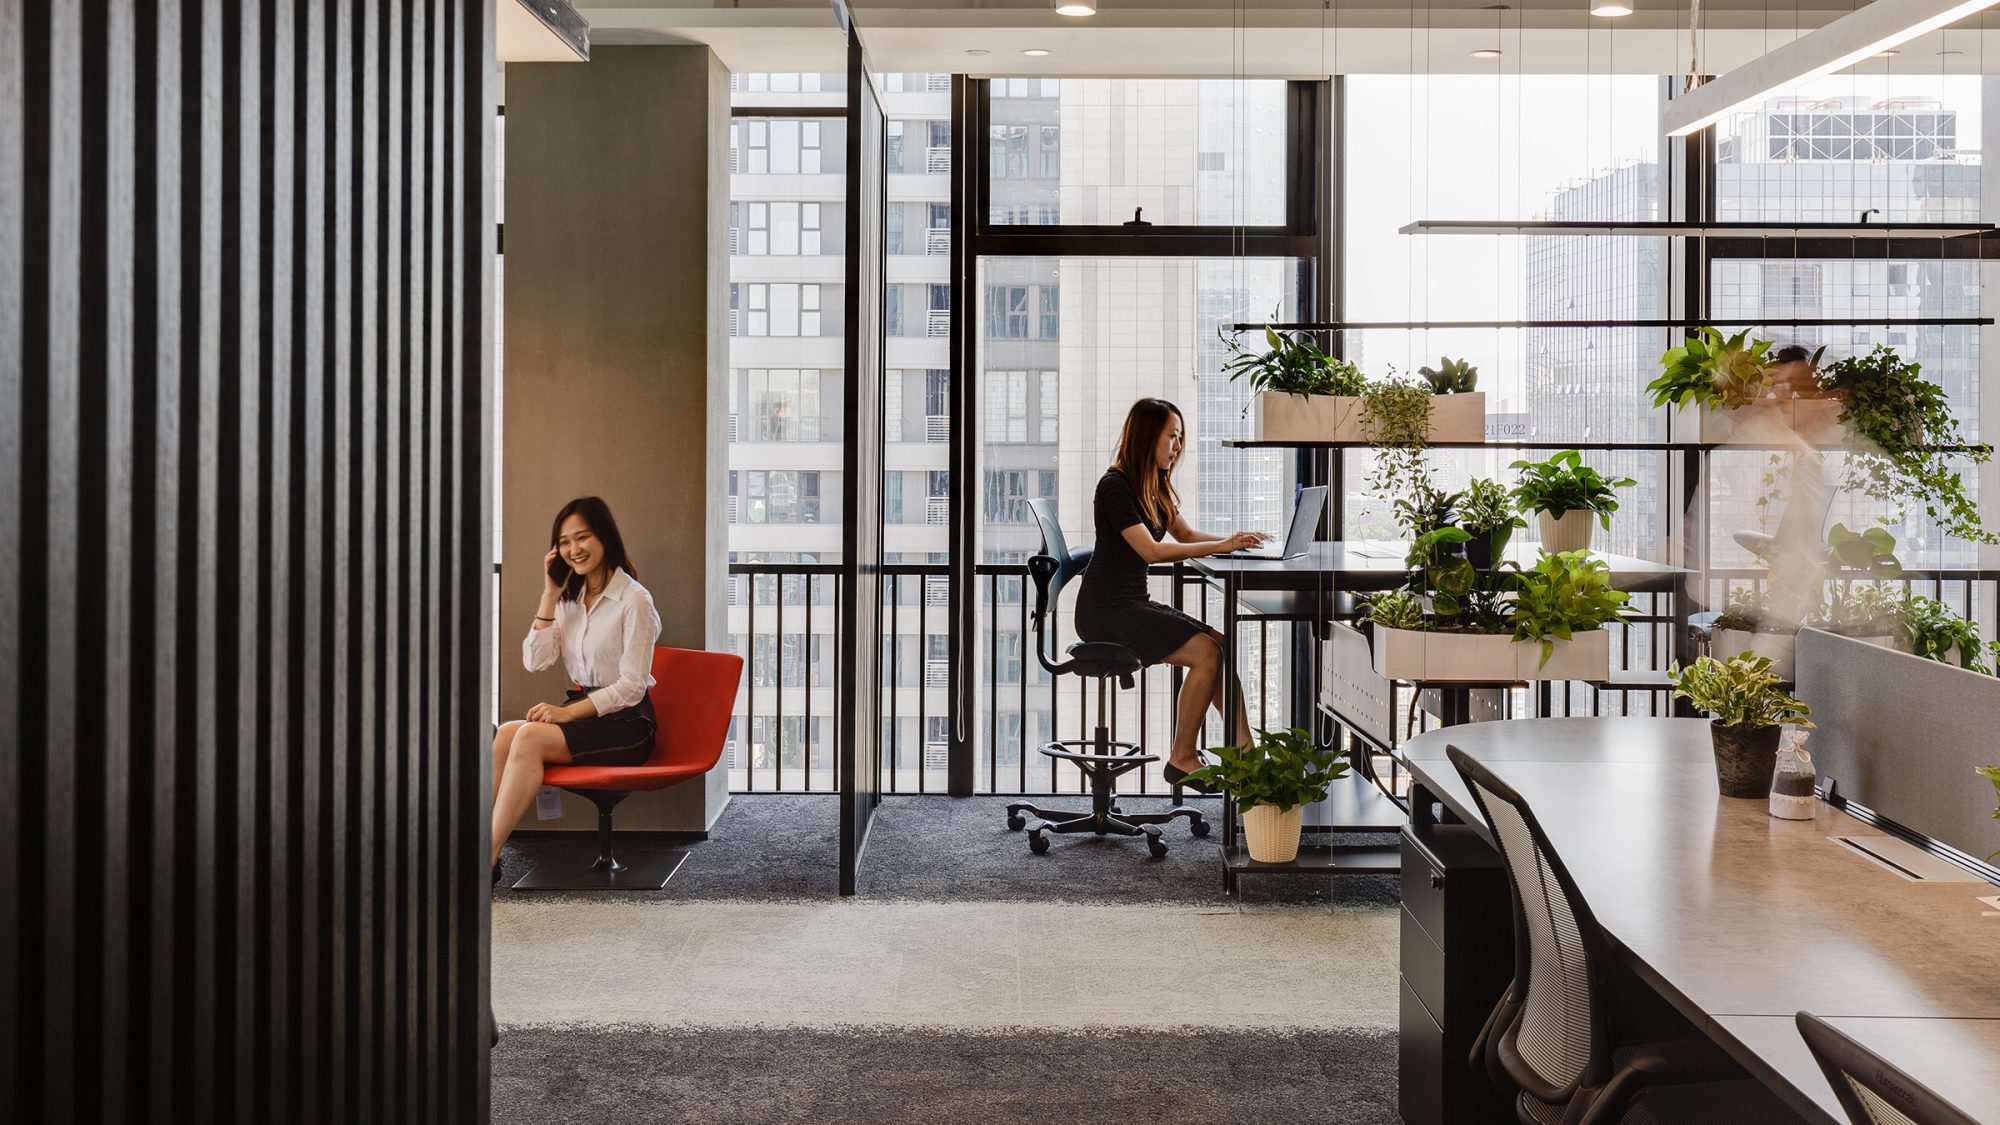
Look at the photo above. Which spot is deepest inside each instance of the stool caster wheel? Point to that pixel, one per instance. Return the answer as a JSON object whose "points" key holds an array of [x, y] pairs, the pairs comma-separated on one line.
{"points": [[1198, 827], [1038, 844], [1016, 821], [1157, 846]]}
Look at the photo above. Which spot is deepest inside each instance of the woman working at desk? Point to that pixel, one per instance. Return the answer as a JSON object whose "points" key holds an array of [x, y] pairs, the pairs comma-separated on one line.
{"points": [[1136, 508]]}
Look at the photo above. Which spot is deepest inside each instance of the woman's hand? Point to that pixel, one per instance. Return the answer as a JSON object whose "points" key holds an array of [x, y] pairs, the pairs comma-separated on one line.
{"points": [[1241, 541], [549, 713], [551, 589]]}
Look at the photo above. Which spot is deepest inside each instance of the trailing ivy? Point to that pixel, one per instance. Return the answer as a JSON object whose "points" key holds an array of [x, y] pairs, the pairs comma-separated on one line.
{"points": [[1906, 419]]}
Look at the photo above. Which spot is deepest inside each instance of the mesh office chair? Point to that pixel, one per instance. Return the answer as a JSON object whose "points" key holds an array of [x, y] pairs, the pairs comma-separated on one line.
{"points": [[1553, 1034], [1101, 759], [1870, 1090]]}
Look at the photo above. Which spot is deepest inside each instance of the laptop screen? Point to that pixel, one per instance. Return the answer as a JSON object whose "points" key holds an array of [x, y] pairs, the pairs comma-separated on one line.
{"points": [[1305, 520]]}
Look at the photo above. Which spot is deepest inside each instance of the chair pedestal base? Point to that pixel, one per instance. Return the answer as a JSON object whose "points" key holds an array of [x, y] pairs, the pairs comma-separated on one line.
{"points": [[646, 872]]}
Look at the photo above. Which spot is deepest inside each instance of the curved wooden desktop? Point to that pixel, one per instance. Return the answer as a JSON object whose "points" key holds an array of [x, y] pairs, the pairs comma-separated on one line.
{"points": [[1741, 920]]}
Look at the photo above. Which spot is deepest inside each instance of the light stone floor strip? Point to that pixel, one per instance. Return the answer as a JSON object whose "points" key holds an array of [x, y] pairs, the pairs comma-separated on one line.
{"points": [[963, 966]]}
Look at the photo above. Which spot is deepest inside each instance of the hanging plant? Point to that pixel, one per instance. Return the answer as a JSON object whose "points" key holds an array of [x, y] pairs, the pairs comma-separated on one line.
{"points": [[1906, 419], [1396, 416], [1712, 369]]}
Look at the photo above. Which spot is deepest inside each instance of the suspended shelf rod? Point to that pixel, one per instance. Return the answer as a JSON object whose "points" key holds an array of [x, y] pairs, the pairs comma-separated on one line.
{"points": [[1693, 229], [1789, 322]]}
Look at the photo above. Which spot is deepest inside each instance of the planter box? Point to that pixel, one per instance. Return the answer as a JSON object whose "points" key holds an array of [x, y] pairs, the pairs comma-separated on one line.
{"points": [[1282, 416], [1817, 420], [1781, 649], [1585, 656], [1406, 654]]}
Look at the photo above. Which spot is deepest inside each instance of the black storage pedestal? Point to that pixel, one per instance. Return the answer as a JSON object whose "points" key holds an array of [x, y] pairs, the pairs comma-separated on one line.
{"points": [[1457, 959]]}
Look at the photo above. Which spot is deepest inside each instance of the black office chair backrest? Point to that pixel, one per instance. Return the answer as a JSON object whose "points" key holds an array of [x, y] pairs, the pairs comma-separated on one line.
{"points": [[1051, 571], [1556, 1042], [1871, 1090]]}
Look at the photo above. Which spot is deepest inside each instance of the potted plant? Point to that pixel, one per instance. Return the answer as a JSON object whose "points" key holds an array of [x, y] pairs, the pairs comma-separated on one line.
{"points": [[1565, 493], [1869, 612], [1904, 419], [1744, 392], [1931, 630], [1749, 625], [1750, 706], [1272, 782], [1458, 409], [1303, 394], [1486, 512], [1406, 643], [1561, 606]]}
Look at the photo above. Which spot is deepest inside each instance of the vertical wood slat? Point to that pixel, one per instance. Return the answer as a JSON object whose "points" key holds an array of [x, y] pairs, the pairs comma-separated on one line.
{"points": [[242, 459]]}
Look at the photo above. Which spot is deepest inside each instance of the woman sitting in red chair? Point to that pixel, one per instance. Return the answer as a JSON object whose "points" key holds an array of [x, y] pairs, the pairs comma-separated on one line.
{"points": [[598, 618]]}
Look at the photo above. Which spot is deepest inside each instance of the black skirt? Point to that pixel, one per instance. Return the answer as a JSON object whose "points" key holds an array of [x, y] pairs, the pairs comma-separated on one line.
{"points": [[622, 738], [1151, 630]]}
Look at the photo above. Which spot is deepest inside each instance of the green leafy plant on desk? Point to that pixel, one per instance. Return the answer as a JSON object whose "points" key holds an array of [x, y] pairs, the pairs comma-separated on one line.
{"points": [[1992, 774], [1565, 493], [1931, 630], [1272, 782], [1750, 707]]}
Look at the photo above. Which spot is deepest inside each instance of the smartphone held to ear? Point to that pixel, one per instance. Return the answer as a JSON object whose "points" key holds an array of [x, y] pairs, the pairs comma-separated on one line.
{"points": [[559, 571]]}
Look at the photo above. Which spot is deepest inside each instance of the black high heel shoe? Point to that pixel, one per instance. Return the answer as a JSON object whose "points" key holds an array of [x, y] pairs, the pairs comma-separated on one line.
{"points": [[1178, 776]]}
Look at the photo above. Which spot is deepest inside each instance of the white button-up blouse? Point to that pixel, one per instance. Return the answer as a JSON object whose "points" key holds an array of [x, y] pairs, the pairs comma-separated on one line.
{"points": [[608, 647]]}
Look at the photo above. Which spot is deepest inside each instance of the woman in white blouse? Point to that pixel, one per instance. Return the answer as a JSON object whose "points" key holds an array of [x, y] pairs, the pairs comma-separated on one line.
{"points": [[602, 623]]}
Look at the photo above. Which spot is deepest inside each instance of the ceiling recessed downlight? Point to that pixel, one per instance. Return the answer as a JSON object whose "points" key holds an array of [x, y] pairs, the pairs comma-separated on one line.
{"points": [[1611, 10], [1036, 52], [1948, 54], [1076, 7], [976, 51], [1486, 53]]}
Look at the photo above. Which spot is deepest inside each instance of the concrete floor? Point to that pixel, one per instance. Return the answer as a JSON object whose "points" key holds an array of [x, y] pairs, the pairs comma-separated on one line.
{"points": [[970, 965]]}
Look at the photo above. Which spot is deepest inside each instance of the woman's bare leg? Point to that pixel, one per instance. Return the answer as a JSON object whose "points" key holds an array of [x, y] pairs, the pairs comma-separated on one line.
{"points": [[535, 746], [1201, 688], [503, 744]]}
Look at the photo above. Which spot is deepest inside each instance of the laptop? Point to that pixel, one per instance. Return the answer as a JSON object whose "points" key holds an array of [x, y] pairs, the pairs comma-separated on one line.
{"points": [[1299, 540]]}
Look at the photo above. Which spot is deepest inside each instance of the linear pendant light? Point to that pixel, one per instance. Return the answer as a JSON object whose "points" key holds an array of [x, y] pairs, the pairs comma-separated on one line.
{"points": [[1863, 33]]}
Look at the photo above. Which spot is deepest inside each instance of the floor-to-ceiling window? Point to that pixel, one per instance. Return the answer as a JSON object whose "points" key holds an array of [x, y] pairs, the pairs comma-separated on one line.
{"points": [[1066, 341]]}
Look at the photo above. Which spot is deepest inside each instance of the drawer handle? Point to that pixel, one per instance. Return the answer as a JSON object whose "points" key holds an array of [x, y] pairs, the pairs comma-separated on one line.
{"points": [[1437, 881]]}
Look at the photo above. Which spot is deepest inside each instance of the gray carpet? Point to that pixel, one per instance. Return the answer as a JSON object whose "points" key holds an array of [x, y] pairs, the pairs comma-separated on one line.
{"points": [[941, 849], [722, 1076]]}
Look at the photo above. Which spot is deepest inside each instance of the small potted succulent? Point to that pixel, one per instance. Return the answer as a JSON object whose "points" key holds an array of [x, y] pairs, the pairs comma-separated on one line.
{"points": [[1750, 707], [1303, 394], [1272, 782], [1459, 410], [1566, 495]]}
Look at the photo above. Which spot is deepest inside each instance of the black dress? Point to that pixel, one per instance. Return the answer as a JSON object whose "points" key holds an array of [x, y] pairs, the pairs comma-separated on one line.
{"points": [[1113, 604]]}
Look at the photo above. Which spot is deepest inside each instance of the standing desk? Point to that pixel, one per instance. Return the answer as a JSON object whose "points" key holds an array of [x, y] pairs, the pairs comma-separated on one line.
{"points": [[1740, 920], [1306, 589]]}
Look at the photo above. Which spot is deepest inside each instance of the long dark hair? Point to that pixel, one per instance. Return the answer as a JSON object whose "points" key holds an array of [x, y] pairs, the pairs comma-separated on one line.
{"points": [[1138, 458], [596, 516]]}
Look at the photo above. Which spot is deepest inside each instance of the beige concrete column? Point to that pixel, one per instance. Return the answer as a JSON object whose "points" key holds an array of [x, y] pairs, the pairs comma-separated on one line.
{"points": [[615, 317]]}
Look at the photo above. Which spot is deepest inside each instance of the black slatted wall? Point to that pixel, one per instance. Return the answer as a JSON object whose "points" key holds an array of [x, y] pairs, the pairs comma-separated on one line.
{"points": [[245, 254]]}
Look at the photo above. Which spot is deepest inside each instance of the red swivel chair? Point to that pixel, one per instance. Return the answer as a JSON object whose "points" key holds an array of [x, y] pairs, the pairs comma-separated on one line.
{"points": [[693, 693]]}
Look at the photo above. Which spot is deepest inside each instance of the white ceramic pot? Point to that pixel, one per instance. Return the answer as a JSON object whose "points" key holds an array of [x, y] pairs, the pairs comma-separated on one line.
{"points": [[1781, 649], [1567, 532], [1273, 836]]}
